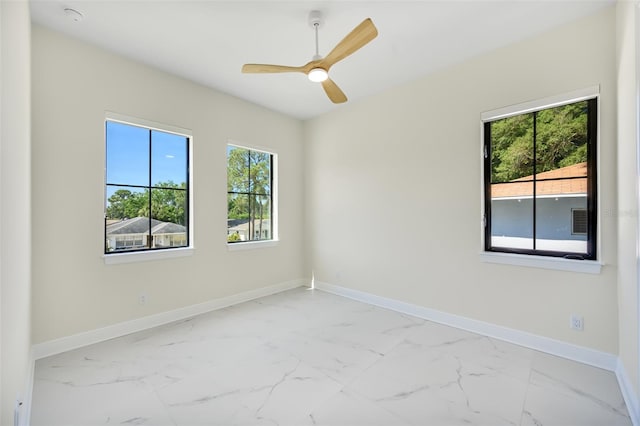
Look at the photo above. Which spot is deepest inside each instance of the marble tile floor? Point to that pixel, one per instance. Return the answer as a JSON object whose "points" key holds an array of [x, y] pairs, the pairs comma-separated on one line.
{"points": [[305, 357]]}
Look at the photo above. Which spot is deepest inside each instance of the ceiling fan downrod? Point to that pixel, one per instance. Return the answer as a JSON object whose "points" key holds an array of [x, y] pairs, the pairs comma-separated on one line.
{"points": [[317, 74], [317, 55]]}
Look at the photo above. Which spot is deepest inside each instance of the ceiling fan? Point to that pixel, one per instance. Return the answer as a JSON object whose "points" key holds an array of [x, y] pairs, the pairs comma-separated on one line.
{"points": [[318, 68]]}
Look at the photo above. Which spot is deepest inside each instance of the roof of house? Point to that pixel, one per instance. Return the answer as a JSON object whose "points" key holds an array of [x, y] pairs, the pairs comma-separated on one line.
{"points": [[243, 224], [557, 183], [140, 225]]}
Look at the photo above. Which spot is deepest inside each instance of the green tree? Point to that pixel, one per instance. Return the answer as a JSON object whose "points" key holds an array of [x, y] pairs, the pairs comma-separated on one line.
{"points": [[168, 203], [562, 136], [561, 140], [238, 206], [125, 204]]}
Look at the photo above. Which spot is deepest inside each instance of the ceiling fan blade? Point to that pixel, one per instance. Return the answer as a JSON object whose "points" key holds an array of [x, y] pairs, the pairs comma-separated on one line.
{"points": [[336, 95], [361, 35], [266, 68]]}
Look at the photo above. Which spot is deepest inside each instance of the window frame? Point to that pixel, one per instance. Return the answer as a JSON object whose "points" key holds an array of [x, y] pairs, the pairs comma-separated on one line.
{"points": [[273, 241], [539, 258], [159, 252]]}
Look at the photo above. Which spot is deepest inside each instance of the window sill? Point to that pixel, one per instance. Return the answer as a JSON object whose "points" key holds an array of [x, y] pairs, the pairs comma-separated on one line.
{"points": [[543, 262], [250, 245], [143, 256]]}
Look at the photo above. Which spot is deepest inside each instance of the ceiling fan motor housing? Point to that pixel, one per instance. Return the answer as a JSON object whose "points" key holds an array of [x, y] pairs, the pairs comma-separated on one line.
{"points": [[315, 18]]}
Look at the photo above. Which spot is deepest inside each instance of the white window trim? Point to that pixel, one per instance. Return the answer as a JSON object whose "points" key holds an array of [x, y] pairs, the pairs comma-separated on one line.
{"points": [[543, 262], [142, 256], [251, 245], [257, 244]]}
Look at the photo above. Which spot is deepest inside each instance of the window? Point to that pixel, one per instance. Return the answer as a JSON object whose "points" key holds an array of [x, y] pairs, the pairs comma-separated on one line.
{"points": [[540, 181], [249, 195], [147, 188]]}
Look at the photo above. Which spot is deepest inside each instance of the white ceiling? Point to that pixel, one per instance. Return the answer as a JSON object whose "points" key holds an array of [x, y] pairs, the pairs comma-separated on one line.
{"points": [[208, 41]]}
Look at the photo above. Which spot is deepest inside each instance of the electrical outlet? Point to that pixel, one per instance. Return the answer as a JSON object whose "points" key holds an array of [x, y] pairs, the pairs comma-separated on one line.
{"points": [[143, 298], [576, 322]]}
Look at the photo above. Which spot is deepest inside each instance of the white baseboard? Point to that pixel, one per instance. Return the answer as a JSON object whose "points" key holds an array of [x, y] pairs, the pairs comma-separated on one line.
{"points": [[64, 344], [629, 394], [582, 354]]}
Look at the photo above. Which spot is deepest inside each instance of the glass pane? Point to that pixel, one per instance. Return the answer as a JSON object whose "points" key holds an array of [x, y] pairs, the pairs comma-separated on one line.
{"points": [[169, 217], [127, 222], [127, 154], [261, 215], [554, 224], [561, 186], [168, 159], [238, 218], [237, 169], [512, 215], [512, 149], [511, 182], [260, 172], [561, 141], [125, 202]]}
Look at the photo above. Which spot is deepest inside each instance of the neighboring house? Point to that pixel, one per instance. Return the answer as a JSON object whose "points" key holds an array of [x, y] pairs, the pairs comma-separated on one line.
{"points": [[561, 207], [240, 227], [130, 234]]}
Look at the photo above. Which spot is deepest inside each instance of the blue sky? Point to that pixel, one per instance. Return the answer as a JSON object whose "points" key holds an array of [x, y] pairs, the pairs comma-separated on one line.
{"points": [[128, 155]]}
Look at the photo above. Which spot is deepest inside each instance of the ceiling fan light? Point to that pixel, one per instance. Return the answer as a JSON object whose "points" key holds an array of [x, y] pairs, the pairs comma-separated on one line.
{"points": [[318, 75]]}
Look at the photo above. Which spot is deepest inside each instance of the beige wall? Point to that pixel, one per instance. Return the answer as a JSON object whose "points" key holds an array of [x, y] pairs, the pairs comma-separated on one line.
{"points": [[627, 211], [74, 291], [15, 245], [393, 189]]}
